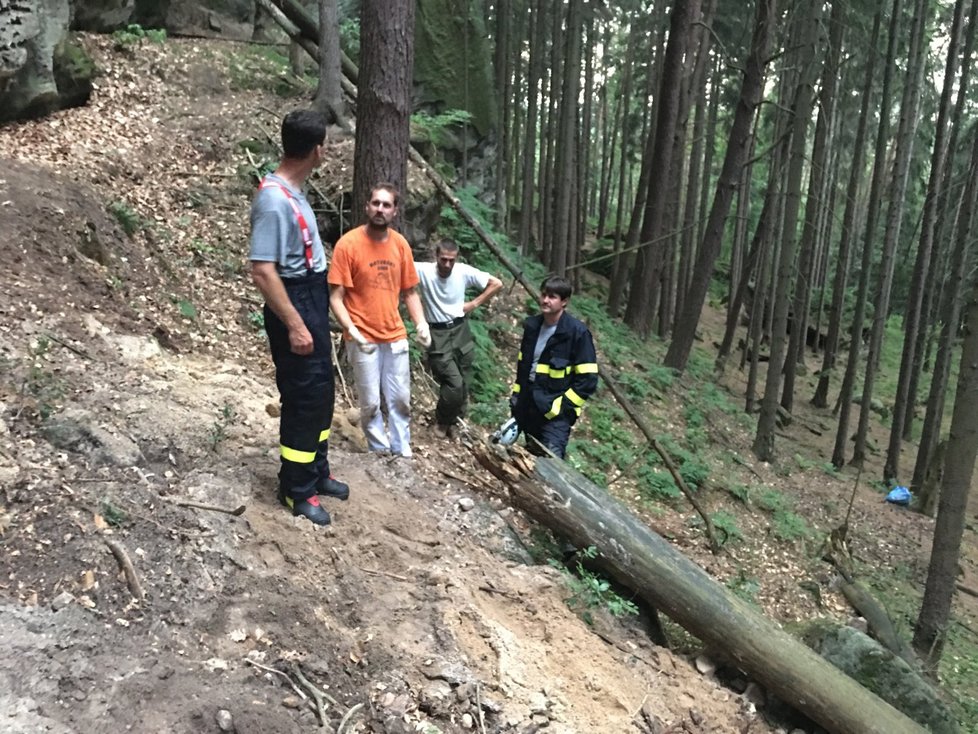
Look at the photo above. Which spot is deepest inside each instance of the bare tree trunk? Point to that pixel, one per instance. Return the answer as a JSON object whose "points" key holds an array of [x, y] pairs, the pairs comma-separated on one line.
{"points": [[502, 61], [904, 402], [894, 216], [763, 445], [962, 448], [738, 248], [844, 404], [329, 92], [548, 184], [383, 96], [620, 271], [813, 206], [843, 257], [942, 363], [533, 83], [566, 152], [738, 144], [685, 238], [587, 144], [641, 299], [610, 134]]}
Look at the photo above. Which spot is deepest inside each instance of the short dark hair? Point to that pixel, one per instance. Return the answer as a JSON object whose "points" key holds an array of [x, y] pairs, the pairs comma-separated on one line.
{"points": [[446, 246], [302, 130], [389, 188], [557, 285]]}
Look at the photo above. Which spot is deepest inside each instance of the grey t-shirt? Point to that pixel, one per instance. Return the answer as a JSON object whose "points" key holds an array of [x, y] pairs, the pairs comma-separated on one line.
{"points": [[545, 333], [275, 235]]}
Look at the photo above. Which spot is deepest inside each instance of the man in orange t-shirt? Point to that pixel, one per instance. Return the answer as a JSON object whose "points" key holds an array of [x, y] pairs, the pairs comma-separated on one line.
{"points": [[372, 268]]}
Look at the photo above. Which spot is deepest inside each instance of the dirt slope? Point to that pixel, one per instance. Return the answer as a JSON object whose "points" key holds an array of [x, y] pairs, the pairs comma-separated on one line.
{"points": [[132, 379]]}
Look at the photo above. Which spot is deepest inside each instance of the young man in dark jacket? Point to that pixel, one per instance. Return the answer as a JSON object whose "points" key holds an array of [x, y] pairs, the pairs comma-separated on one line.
{"points": [[556, 370]]}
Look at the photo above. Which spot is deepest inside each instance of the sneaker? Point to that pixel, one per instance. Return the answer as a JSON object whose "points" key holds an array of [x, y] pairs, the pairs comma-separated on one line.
{"points": [[310, 509], [332, 487]]}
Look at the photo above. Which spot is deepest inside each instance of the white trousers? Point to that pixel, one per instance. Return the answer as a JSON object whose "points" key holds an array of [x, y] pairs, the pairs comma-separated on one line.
{"points": [[387, 373]]}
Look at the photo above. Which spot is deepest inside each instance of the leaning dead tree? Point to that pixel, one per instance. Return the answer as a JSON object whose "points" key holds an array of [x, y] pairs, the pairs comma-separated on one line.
{"points": [[554, 494]]}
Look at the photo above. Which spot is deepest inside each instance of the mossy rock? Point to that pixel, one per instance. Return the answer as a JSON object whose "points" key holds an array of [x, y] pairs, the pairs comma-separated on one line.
{"points": [[73, 73], [453, 62], [888, 676]]}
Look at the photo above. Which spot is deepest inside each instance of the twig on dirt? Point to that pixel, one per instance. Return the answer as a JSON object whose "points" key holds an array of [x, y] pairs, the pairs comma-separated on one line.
{"points": [[122, 558], [276, 671], [844, 528], [239, 510], [256, 169], [743, 462], [967, 590], [478, 704], [66, 345], [347, 717], [627, 470], [145, 518], [640, 708], [374, 572], [472, 481], [319, 696], [339, 372], [500, 592], [206, 174]]}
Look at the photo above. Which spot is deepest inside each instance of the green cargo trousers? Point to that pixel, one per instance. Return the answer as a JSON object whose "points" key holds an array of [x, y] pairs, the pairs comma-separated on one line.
{"points": [[450, 360]]}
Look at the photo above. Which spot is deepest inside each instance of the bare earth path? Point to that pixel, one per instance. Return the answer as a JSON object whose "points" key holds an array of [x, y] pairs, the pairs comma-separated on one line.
{"points": [[132, 378]]}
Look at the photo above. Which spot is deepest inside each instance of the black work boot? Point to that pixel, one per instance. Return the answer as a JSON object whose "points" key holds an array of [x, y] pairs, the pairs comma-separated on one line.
{"points": [[308, 508], [332, 487]]}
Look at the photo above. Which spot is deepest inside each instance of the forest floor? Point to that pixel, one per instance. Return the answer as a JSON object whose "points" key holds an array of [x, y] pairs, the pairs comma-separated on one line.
{"points": [[134, 378]]}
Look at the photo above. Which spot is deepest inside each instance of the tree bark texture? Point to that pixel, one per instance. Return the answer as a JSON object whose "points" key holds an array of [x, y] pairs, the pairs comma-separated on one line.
{"points": [[566, 152], [383, 97], [533, 82], [814, 201], [906, 131], [904, 402], [801, 113], [555, 495], [869, 244], [730, 175], [329, 92], [843, 257], [962, 448], [641, 300]]}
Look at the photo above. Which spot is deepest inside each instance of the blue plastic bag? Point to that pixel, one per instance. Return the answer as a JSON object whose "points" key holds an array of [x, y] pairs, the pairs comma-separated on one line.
{"points": [[899, 496]]}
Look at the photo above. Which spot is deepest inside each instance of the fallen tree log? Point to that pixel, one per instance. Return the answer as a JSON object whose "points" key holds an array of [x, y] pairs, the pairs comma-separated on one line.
{"points": [[307, 27], [558, 497]]}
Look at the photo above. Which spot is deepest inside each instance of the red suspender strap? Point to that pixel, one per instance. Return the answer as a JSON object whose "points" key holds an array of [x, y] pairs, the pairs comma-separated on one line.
{"points": [[303, 227]]}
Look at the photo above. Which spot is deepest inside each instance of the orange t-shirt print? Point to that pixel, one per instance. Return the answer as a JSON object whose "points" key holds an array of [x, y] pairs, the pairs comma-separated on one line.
{"points": [[373, 275]]}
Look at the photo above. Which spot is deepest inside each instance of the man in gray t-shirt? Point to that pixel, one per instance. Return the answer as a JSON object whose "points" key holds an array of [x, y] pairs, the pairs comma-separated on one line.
{"points": [[288, 265], [443, 284]]}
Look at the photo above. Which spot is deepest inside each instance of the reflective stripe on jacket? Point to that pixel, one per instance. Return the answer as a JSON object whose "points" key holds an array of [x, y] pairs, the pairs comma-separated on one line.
{"points": [[567, 373]]}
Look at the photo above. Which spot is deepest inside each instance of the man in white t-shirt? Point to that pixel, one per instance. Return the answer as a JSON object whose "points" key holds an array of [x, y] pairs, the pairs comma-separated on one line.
{"points": [[443, 285]]}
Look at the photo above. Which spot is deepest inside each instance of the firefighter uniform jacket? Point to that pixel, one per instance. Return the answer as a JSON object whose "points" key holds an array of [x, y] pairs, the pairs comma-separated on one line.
{"points": [[566, 375]]}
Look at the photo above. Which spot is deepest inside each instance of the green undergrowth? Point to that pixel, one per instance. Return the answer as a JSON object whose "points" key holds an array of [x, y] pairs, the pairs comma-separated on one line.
{"points": [[605, 445], [899, 588], [692, 419]]}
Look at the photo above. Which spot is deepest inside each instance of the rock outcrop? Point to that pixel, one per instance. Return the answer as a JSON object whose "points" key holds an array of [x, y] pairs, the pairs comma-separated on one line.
{"points": [[41, 70]]}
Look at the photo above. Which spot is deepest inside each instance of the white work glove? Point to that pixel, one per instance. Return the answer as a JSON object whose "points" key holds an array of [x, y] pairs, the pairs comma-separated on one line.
{"points": [[423, 334], [362, 344]]}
